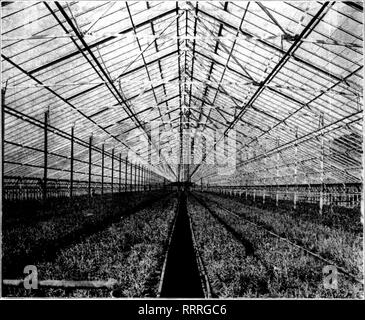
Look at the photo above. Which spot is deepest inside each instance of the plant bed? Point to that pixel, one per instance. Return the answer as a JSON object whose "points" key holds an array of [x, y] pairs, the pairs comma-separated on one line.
{"points": [[342, 247], [338, 217], [291, 273], [231, 272], [130, 251], [32, 211], [28, 243]]}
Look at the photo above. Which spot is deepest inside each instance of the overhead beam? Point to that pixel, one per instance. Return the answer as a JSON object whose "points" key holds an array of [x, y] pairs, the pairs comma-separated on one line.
{"points": [[272, 18], [354, 5], [62, 99], [103, 41], [271, 46], [302, 105], [222, 110], [142, 55], [157, 50], [288, 54], [115, 92], [133, 128], [229, 52], [311, 135]]}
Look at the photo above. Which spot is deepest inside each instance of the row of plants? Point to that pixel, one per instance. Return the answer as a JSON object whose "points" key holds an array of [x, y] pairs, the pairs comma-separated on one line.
{"points": [[231, 272], [338, 217], [274, 269], [32, 211], [342, 247], [130, 252], [29, 242]]}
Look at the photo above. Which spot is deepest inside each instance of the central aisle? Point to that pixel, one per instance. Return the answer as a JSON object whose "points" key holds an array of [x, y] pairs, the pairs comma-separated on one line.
{"points": [[182, 278]]}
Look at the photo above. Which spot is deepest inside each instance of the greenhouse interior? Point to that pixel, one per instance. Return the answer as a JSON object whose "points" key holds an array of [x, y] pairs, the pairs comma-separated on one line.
{"points": [[189, 149]]}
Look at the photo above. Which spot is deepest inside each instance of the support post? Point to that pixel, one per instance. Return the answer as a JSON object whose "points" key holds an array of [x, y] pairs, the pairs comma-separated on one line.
{"points": [[321, 193], [296, 171], [362, 207], [126, 175], [139, 178], [135, 177], [112, 178], [142, 186], [3, 92], [72, 163], [90, 164], [102, 171], [144, 178], [131, 177], [264, 183], [120, 174], [45, 163], [277, 175]]}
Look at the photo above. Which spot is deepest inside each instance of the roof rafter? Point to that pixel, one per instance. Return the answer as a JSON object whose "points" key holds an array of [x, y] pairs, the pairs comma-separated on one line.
{"points": [[289, 53], [109, 81], [103, 41]]}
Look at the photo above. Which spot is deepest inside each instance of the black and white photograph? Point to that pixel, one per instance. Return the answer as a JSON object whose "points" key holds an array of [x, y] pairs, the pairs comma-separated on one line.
{"points": [[177, 150]]}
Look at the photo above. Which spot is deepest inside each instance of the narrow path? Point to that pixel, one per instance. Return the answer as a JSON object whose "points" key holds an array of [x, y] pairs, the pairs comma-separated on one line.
{"points": [[182, 278]]}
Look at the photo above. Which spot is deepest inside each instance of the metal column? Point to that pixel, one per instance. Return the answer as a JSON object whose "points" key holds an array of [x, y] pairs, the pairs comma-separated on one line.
{"points": [[126, 175], [3, 92], [72, 162], [90, 164], [112, 178], [321, 195], [149, 179], [45, 163], [143, 178], [131, 177], [120, 173], [296, 171], [277, 174], [102, 171], [264, 183], [138, 177]]}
